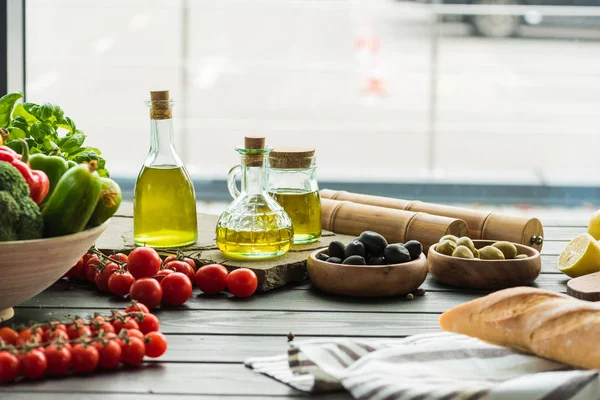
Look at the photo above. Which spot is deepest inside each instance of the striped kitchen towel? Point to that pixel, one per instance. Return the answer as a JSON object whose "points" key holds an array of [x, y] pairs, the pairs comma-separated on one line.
{"points": [[440, 366]]}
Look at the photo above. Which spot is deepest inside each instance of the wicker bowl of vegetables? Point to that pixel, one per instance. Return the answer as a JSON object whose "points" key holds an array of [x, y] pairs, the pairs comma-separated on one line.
{"points": [[27, 267]]}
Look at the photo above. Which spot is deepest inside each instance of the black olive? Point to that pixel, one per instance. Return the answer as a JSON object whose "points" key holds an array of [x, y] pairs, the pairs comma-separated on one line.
{"points": [[377, 261], [396, 254], [334, 260], [322, 256], [414, 248], [355, 260], [354, 248], [374, 243], [336, 249]]}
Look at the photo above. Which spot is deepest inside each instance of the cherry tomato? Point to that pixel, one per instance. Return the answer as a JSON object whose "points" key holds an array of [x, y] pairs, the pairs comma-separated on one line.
{"points": [[84, 359], [53, 334], [143, 262], [176, 288], [86, 257], [9, 366], [104, 326], [149, 324], [55, 326], [34, 364], [30, 335], [90, 269], [109, 354], [212, 278], [188, 260], [135, 333], [156, 344], [183, 267], [120, 283], [162, 273], [9, 336], [129, 323], [75, 270], [242, 282], [76, 332], [104, 275], [132, 353], [119, 257], [58, 358], [136, 306], [146, 290]]}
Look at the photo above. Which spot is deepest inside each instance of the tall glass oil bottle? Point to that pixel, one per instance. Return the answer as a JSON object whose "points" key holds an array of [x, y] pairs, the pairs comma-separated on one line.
{"points": [[254, 226], [164, 203]]}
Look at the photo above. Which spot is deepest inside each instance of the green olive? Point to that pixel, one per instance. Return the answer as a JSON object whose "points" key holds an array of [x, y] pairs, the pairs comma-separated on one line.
{"points": [[521, 256], [476, 253], [462, 252], [491, 253], [507, 248], [449, 237], [446, 247], [465, 241]]}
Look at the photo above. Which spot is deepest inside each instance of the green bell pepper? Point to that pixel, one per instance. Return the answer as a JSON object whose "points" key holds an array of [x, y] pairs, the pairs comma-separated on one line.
{"points": [[53, 166]]}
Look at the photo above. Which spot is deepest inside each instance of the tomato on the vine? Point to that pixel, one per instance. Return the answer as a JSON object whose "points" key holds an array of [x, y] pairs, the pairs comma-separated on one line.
{"points": [[149, 324], [146, 290], [160, 275], [84, 358], [90, 269], [30, 335], [143, 262], [120, 283], [242, 282], [176, 288], [34, 364], [77, 330], [58, 358], [9, 366], [75, 269], [119, 257], [104, 326], [212, 278], [104, 275], [8, 335], [137, 306], [53, 334], [135, 333], [183, 267], [109, 354], [132, 353], [187, 260], [129, 323], [156, 344]]}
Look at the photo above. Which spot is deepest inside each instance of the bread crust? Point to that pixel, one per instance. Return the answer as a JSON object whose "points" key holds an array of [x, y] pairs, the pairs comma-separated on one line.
{"points": [[544, 323]]}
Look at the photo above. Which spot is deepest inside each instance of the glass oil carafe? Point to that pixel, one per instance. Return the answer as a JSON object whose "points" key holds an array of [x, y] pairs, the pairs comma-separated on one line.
{"points": [[164, 204], [292, 182], [254, 226]]}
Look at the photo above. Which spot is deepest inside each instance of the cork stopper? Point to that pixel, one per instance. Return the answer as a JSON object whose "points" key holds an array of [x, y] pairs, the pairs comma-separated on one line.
{"points": [[291, 158], [254, 143], [160, 105]]}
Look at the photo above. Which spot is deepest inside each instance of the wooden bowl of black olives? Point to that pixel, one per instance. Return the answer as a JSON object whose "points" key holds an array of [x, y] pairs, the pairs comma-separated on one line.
{"points": [[483, 264], [368, 267]]}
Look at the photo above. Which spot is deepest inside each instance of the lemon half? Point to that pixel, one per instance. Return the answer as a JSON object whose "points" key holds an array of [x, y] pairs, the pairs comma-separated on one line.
{"points": [[580, 257]]}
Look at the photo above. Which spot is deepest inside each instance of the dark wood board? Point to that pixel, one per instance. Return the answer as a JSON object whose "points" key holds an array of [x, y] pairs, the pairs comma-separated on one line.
{"points": [[585, 287], [271, 274]]}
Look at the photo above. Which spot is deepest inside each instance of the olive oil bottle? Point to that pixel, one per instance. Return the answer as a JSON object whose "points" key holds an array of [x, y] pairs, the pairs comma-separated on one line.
{"points": [[164, 204]]}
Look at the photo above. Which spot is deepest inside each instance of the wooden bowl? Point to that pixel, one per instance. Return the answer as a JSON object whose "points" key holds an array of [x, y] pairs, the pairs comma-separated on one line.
{"points": [[27, 267], [367, 280], [485, 274]]}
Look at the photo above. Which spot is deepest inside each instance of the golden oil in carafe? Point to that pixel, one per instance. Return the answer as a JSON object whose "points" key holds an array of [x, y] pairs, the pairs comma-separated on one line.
{"points": [[165, 207], [253, 245], [304, 209]]}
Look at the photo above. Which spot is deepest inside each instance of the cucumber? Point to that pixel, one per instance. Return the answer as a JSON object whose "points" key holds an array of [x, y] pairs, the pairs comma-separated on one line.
{"points": [[73, 201], [108, 203]]}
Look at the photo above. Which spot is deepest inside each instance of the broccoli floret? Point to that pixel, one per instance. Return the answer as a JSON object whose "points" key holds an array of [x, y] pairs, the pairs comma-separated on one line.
{"points": [[20, 217]]}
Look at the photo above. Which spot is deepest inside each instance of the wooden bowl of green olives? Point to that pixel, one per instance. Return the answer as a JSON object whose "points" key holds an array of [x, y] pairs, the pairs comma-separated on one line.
{"points": [[483, 264], [364, 267]]}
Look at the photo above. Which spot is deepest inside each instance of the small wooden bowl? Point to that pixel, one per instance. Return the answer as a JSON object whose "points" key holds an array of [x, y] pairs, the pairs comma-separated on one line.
{"points": [[366, 280], [485, 274], [27, 267]]}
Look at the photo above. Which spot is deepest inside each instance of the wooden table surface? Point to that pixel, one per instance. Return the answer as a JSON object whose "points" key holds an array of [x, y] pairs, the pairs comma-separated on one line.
{"points": [[209, 338]]}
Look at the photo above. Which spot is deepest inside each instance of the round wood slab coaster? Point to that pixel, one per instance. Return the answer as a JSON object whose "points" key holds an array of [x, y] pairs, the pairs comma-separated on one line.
{"points": [[585, 287]]}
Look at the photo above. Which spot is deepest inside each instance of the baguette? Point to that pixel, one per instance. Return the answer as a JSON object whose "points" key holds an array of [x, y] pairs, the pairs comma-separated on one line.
{"points": [[548, 324]]}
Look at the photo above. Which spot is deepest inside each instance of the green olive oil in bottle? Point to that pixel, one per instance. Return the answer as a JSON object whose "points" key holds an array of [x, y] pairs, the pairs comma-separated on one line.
{"points": [[164, 204]]}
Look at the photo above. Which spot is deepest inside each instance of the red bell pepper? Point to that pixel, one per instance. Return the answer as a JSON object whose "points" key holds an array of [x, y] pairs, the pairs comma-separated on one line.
{"points": [[38, 182]]}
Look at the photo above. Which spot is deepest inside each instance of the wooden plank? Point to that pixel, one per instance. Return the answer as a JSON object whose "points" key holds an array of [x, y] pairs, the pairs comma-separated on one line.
{"points": [[165, 378], [251, 323], [563, 233], [554, 248], [271, 273], [67, 394]]}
